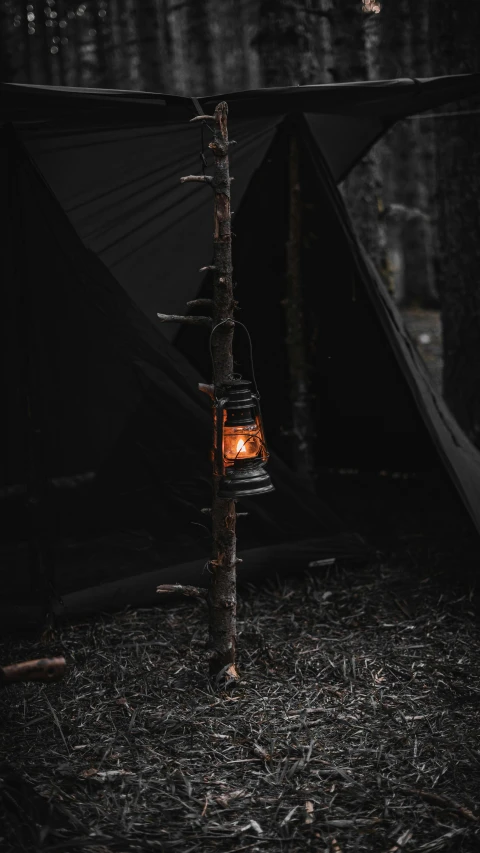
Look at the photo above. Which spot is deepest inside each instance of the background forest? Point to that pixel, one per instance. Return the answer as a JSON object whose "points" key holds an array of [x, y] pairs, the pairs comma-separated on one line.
{"points": [[414, 199]]}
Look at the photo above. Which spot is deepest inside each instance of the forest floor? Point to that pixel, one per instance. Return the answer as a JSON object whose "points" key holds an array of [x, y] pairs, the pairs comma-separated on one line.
{"points": [[355, 727]]}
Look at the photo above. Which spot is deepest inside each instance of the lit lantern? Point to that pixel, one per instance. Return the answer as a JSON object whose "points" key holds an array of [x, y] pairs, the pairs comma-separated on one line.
{"points": [[240, 452]]}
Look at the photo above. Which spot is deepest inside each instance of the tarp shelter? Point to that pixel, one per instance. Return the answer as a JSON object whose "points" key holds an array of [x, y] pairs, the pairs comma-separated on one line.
{"points": [[103, 417]]}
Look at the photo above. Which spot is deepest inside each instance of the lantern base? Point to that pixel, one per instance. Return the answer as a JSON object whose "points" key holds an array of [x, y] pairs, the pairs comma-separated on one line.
{"points": [[245, 481]]}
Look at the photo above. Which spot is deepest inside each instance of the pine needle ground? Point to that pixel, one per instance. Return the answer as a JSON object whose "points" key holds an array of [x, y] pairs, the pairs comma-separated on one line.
{"points": [[355, 726]]}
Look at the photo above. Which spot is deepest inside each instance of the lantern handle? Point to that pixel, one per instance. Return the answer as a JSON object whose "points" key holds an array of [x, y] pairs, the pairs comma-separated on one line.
{"points": [[236, 323]]}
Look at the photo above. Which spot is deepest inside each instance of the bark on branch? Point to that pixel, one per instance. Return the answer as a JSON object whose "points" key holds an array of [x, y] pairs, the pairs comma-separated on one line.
{"points": [[190, 591], [189, 321], [222, 598], [207, 389], [45, 669], [200, 303], [202, 179], [222, 594]]}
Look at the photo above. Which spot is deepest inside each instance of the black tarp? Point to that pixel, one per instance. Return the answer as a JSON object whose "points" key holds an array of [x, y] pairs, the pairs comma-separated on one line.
{"points": [[91, 183], [375, 406], [107, 394], [113, 160]]}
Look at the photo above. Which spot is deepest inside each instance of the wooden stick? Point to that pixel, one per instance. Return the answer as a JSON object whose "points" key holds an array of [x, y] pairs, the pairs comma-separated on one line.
{"points": [[302, 427], [190, 591], [188, 321], [207, 389], [202, 179], [200, 303], [222, 594], [222, 598], [44, 669], [442, 802]]}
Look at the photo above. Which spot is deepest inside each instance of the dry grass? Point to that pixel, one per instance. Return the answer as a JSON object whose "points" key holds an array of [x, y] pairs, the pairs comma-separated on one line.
{"points": [[355, 727]]}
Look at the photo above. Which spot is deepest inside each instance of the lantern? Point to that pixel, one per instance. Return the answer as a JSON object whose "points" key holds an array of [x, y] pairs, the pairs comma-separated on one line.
{"points": [[240, 452]]}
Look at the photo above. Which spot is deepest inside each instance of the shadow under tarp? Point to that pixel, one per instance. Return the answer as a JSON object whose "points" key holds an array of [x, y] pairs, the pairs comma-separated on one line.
{"points": [[374, 407], [104, 421], [137, 588], [107, 394]]}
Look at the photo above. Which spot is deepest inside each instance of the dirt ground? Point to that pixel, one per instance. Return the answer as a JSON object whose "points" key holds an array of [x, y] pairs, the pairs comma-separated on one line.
{"points": [[356, 726]]}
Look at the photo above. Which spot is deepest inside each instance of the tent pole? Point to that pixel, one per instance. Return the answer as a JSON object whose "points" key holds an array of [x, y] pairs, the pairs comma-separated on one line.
{"points": [[302, 426], [222, 597], [41, 568], [37, 508], [222, 593]]}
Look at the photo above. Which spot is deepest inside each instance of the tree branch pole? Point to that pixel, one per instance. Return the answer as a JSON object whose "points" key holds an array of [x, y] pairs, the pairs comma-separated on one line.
{"points": [[222, 593], [44, 669], [222, 597], [302, 426]]}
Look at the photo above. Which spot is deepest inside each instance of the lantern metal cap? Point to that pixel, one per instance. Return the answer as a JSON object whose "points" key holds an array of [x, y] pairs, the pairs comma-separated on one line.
{"points": [[238, 393]]}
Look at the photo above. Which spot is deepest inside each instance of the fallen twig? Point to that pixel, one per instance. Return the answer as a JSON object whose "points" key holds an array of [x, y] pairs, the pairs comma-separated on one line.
{"points": [[44, 669], [442, 801], [190, 591]]}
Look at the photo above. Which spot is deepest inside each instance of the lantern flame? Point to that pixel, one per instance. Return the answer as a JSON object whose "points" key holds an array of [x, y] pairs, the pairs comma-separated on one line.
{"points": [[241, 444]]}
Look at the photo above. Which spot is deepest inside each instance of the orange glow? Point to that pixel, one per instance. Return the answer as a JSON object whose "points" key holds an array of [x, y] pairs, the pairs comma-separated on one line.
{"points": [[242, 442]]}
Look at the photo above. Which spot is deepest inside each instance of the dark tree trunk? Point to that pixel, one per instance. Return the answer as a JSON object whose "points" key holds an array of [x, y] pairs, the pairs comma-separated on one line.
{"points": [[153, 52], [63, 46], [402, 53], [75, 53], [117, 54], [176, 15], [418, 234], [222, 594], [222, 597], [27, 49], [362, 189], [280, 42], [6, 28], [294, 42], [290, 42], [102, 38], [454, 40], [349, 41], [393, 60], [227, 44], [425, 128], [321, 70], [53, 37], [251, 61], [87, 60], [200, 47], [130, 43], [42, 44], [302, 424]]}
